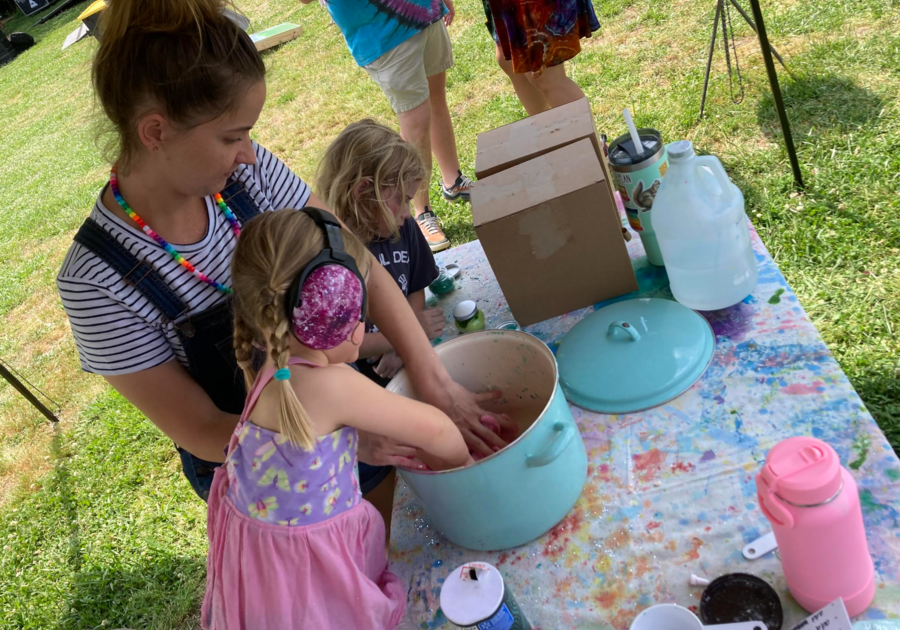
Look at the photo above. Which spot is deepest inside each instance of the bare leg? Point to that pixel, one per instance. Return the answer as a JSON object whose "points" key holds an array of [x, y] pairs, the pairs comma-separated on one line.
{"points": [[415, 128], [531, 98], [382, 497], [556, 87], [443, 140]]}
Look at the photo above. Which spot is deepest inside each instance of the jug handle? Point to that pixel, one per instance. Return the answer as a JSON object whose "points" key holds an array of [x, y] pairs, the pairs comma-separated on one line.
{"points": [[565, 431], [718, 172]]}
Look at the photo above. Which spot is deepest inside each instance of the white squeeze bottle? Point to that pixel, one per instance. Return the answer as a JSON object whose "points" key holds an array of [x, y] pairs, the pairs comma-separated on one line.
{"points": [[702, 230]]}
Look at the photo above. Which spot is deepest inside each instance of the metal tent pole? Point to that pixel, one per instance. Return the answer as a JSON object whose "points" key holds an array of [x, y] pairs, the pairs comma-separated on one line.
{"points": [[20, 386], [776, 93], [753, 26], [712, 49]]}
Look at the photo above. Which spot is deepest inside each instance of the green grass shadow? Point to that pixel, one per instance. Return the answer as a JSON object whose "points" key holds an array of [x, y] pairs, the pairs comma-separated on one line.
{"points": [[824, 103]]}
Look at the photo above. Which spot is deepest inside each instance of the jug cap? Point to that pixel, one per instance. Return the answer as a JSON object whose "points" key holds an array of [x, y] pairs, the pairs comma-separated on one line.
{"points": [[803, 471], [472, 593], [680, 150]]}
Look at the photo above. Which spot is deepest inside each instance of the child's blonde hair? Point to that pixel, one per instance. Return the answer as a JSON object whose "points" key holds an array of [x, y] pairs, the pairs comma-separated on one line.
{"points": [[271, 252], [366, 151]]}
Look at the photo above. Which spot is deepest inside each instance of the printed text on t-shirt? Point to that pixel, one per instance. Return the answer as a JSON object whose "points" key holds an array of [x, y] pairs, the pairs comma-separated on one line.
{"points": [[400, 257]]}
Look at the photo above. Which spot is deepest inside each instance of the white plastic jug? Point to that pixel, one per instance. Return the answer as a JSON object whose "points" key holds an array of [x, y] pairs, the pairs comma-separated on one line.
{"points": [[699, 218]]}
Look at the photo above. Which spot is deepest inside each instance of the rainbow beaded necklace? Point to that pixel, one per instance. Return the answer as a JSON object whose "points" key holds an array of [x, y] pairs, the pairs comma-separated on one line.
{"points": [[235, 227]]}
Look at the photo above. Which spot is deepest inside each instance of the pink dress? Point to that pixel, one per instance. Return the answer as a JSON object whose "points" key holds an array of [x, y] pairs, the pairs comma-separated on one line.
{"points": [[292, 543]]}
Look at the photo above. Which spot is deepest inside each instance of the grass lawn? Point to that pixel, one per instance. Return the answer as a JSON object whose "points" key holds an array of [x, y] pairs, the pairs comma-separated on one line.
{"points": [[97, 528]]}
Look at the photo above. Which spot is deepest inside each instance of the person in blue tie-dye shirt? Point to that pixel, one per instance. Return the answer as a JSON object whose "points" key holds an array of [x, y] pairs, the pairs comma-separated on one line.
{"points": [[405, 48]]}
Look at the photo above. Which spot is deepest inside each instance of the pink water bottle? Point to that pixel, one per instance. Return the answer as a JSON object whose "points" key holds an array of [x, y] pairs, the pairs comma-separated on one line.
{"points": [[813, 506]]}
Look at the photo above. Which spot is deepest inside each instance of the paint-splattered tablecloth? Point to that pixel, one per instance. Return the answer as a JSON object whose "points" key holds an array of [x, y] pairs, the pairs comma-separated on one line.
{"points": [[671, 491]]}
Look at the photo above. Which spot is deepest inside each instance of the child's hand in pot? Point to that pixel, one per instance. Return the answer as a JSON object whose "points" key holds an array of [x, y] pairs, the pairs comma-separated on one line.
{"points": [[378, 450], [389, 365], [428, 462]]}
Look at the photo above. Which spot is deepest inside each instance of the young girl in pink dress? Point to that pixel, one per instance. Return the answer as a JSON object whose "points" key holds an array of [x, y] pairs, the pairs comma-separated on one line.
{"points": [[292, 544]]}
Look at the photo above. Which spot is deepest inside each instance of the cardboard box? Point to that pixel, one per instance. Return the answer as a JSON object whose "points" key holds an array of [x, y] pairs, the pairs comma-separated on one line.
{"points": [[551, 235], [504, 147]]}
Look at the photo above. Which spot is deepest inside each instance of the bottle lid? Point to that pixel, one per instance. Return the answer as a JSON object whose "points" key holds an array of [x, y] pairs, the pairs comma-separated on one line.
{"points": [[803, 471], [741, 597], [623, 153], [465, 310], [451, 270], [680, 150], [471, 594]]}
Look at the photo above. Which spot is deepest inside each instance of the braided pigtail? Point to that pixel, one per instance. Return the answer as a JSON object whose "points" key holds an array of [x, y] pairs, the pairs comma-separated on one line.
{"points": [[294, 423], [273, 249], [243, 350]]}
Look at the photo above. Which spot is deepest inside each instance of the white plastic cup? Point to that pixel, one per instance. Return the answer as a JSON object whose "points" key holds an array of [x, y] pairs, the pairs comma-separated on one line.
{"points": [[667, 617], [675, 617]]}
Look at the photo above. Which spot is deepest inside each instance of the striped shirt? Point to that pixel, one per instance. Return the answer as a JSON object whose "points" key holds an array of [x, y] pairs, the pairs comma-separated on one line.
{"points": [[117, 330]]}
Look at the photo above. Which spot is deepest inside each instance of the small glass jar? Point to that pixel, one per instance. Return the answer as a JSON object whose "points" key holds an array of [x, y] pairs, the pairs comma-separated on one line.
{"points": [[443, 284], [469, 318]]}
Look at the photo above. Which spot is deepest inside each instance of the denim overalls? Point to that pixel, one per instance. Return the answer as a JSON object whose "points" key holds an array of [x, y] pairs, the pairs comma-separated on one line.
{"points": [[206, 336]]}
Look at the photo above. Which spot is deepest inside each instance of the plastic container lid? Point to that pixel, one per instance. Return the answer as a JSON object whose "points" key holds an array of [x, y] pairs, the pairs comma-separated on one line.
{"points": [[451, 270], [680, 150], [804, 471], [465, 310], [466, 601], [634, 355], [622, 150], [741, 597]]}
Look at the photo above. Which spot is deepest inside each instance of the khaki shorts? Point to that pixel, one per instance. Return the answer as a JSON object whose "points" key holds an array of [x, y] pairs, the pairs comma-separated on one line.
{"points": [[402, 73]]}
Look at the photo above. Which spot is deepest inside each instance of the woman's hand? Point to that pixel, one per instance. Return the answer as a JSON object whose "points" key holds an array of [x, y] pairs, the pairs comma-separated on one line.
{"points": [[432, 320], [451, 12], [464, 408], [390, 311]]}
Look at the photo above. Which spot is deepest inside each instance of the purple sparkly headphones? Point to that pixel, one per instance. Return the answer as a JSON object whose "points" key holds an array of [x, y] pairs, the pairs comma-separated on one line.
{"points": [[327, 299]]}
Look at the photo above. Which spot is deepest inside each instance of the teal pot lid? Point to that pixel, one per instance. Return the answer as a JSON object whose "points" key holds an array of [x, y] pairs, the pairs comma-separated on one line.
{"points": [[634, 355]]}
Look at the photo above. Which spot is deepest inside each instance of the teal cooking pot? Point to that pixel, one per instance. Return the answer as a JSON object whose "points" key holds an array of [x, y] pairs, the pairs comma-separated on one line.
{"points": [[522, 491]]}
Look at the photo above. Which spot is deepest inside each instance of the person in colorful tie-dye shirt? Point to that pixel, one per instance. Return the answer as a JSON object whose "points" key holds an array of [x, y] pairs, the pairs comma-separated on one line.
{"points": [[534, 40], [405, 48]]}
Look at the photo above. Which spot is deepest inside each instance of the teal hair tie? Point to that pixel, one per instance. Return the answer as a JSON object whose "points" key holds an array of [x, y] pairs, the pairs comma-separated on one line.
{"points": [[283, 374]]}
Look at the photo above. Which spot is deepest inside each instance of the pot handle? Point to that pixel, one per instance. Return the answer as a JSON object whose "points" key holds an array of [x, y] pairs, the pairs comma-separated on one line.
{"points": [[623, 325], [565, 431]]}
